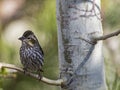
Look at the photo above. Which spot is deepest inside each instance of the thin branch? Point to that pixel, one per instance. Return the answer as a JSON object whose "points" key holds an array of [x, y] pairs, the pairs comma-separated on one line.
{"points": [[43, 79], [86, 40], [95, 39], [104, 37]]}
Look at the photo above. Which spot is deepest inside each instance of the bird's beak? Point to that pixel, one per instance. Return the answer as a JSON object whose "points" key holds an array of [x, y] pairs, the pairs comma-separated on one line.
{"points": [[21, 38]]}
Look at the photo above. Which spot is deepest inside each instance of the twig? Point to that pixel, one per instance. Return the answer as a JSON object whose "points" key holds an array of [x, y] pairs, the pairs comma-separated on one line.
{"points": [[95, 39], [86, 40], [43, 79], [104, 37]]}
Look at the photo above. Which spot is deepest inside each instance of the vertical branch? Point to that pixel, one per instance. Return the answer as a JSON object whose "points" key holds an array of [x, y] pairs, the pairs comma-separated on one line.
{"points": [[74, 20]]}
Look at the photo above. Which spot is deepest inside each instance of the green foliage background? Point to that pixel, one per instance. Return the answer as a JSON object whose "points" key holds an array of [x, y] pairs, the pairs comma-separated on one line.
{"points": [[41, 15]]}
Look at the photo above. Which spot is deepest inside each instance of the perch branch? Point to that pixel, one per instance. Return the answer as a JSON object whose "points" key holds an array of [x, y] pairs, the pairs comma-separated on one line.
{"points": [[43, 79], [104, 37]]}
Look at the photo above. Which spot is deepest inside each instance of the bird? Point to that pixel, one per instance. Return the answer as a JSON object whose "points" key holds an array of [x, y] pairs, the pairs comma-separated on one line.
{"points": [[31, 53]]}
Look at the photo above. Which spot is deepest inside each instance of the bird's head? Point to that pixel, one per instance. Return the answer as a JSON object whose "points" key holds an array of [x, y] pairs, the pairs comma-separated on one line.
{"points": [[29, 38]]}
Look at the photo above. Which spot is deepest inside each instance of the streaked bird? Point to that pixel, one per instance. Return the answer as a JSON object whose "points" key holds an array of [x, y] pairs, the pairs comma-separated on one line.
{"points": [[31, 53]]}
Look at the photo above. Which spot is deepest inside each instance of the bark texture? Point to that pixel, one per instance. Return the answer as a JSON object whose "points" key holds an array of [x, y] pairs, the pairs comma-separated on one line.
{"points": [[81, 63]]}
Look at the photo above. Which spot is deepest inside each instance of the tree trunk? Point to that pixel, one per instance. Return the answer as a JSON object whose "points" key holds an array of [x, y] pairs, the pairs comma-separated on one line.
{"points": [[81, 61]]}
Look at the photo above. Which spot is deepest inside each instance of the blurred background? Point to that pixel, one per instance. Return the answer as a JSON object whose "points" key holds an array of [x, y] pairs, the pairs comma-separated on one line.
{"points": [[17, 16]]}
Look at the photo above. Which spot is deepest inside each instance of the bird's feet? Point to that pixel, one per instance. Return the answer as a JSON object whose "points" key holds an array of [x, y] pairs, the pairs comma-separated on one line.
{"points": [[39, 76], [25, 70]]}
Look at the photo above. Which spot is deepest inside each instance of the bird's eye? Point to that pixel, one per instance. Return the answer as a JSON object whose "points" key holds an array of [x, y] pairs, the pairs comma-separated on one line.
{"points": [[28, 38]]}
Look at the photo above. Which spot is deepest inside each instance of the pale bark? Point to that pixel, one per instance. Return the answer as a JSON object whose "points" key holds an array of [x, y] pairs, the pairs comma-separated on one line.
{"points": [[81, 63]]}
